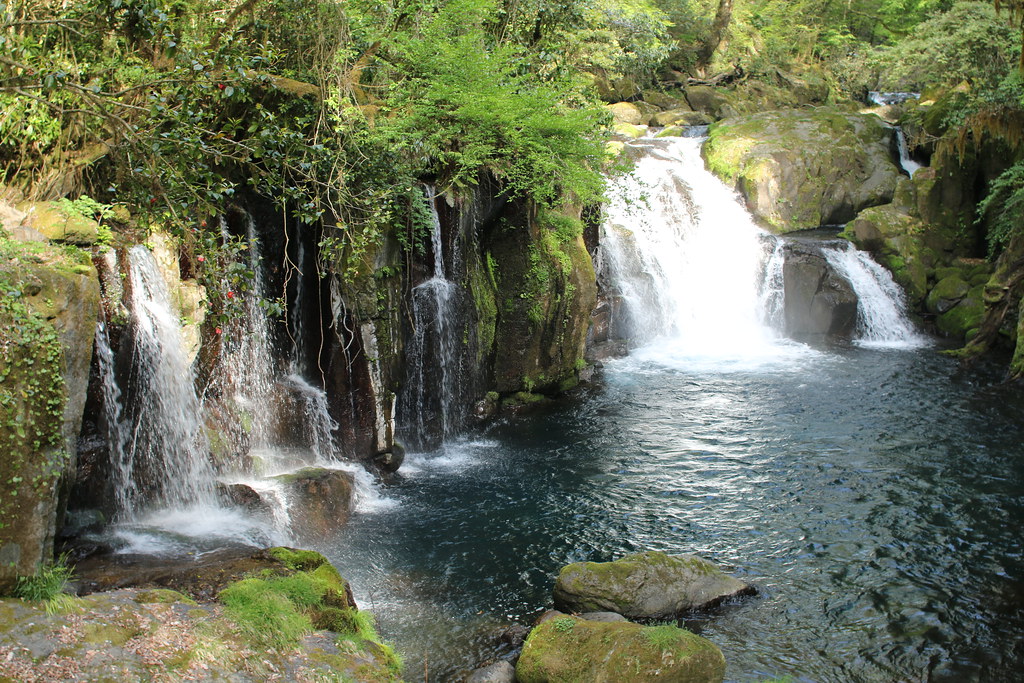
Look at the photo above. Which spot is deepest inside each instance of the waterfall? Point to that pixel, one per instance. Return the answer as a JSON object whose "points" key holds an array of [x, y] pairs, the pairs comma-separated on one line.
{"points": [[685, 257], [297, 362], [125, 487], [881, 309], [165, 461], [247, 363], [434, 349], [906, 163]]}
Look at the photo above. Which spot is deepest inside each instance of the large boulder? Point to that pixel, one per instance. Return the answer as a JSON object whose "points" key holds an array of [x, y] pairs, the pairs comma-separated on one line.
{"points": [[48, 313], [800, 168], [818, 301], [648, 585], [626, 112], [566, 648], [320, 501], [59, 224]]}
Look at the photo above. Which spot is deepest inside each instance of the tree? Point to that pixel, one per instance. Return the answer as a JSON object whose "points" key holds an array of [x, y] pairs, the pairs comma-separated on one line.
{"points": [[718, 28]]}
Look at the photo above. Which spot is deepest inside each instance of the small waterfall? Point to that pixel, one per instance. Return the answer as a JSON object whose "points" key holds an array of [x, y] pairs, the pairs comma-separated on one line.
{"points": [[434, 349], [686, 258], [906, 163], [166, 461], [124, 485], [317, 424], [881, 309], [247, 362], [297, 363], [772, 298]]}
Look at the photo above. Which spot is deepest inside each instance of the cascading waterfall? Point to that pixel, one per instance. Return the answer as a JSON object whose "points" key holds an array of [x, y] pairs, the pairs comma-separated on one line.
{"points": [[685, 256], [906, 163], [697, 278], [881, 310], [434, 347], [247, 360], [125, 488], [167, 448]]}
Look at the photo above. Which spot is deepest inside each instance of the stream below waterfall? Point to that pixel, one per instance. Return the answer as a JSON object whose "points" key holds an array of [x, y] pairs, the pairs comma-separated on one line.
{"points": [[870, 490], [874, 497]]}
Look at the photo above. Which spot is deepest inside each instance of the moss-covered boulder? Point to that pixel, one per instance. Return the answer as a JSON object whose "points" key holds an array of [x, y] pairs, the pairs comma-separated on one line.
{"points": [[681, 117], [664, 100], [629, 130], [649, 585], [802, 168], [564, 648], [962, 319], [947, 293], [626, 112], [49, 304], [900, 243], [59, 224], [290, 618], [714, 102]]}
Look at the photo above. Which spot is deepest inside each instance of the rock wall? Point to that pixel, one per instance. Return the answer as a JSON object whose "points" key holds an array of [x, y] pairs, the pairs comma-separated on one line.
{"points": [[47, 324]]}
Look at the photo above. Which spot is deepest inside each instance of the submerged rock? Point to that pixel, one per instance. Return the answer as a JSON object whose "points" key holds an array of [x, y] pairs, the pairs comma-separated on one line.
{"points": [[649, 585], [566, 648]]}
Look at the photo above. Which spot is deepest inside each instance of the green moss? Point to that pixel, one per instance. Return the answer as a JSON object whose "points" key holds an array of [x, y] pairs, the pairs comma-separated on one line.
{"points": [[265, 616], [302, 560], [162, 596], [618, 651]]}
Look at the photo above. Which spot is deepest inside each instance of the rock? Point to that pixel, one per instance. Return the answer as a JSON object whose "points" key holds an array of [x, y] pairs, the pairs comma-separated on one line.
{"points": [[665, 100], [711, 101], [625, 112], [46, 343], [21, 233], [320, 500], [805, 168], [565, 648], [818, 301], [629, 131], [244, 497], [625, 88], [947, 293], [670, 132], [392, 460], [140, 634], [648, 585], [499, 672], [613, 148], [962, 319], [900, 243], [606, 617], [10, 217], [59, 225], [681, 117]]}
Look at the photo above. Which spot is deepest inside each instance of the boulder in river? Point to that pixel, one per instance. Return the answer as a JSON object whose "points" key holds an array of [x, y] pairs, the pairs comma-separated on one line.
{"points": [[648, 585], [320, 500], [567, 648], [818, 301], [800, 168]]}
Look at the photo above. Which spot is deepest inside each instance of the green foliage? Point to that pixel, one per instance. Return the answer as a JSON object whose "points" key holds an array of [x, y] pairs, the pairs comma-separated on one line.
{"points": [[564, 624], [969, 43], [1003, 208], [47, 585]]}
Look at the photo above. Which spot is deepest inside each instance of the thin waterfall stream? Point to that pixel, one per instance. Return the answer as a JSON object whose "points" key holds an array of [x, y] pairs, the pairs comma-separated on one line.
{"points": [[867, 489]]}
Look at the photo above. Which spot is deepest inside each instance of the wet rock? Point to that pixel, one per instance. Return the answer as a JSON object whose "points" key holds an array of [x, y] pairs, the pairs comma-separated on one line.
{"points": [[59, 225], [682, 117], [947, 293], [320, 501], [244, 497], [648, 585], [390, 461], [515, 635], [499, 672], [566, 648], [818, 301]]}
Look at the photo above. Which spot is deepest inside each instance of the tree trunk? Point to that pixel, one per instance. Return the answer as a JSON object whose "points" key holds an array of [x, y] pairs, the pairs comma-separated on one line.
{"points": [[722, 18]]}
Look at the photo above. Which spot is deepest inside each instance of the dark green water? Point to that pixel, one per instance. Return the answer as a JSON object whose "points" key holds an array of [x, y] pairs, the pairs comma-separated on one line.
{"points": [[874, 497]]}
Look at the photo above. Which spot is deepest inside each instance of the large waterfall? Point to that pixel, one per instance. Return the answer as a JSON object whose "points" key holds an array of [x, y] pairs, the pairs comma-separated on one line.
{"points": [[693, 277]]}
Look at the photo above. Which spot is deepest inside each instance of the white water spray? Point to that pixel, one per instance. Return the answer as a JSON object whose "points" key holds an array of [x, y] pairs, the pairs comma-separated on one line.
{"points": [[881, 310], [686, 257]]}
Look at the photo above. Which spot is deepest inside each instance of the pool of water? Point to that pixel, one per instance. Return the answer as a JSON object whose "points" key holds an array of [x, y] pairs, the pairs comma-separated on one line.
{"points": [[874, 497]]}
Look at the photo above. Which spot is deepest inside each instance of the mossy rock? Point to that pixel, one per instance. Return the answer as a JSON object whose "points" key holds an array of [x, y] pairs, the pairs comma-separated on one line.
{"points": [[800, 168], [965, 317], [626, 112], [682, 117], [947, 293], [564, 648], [664, 100], [648, 585], [59, 225], [714, 102], [630, 131], [671, 132]]}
